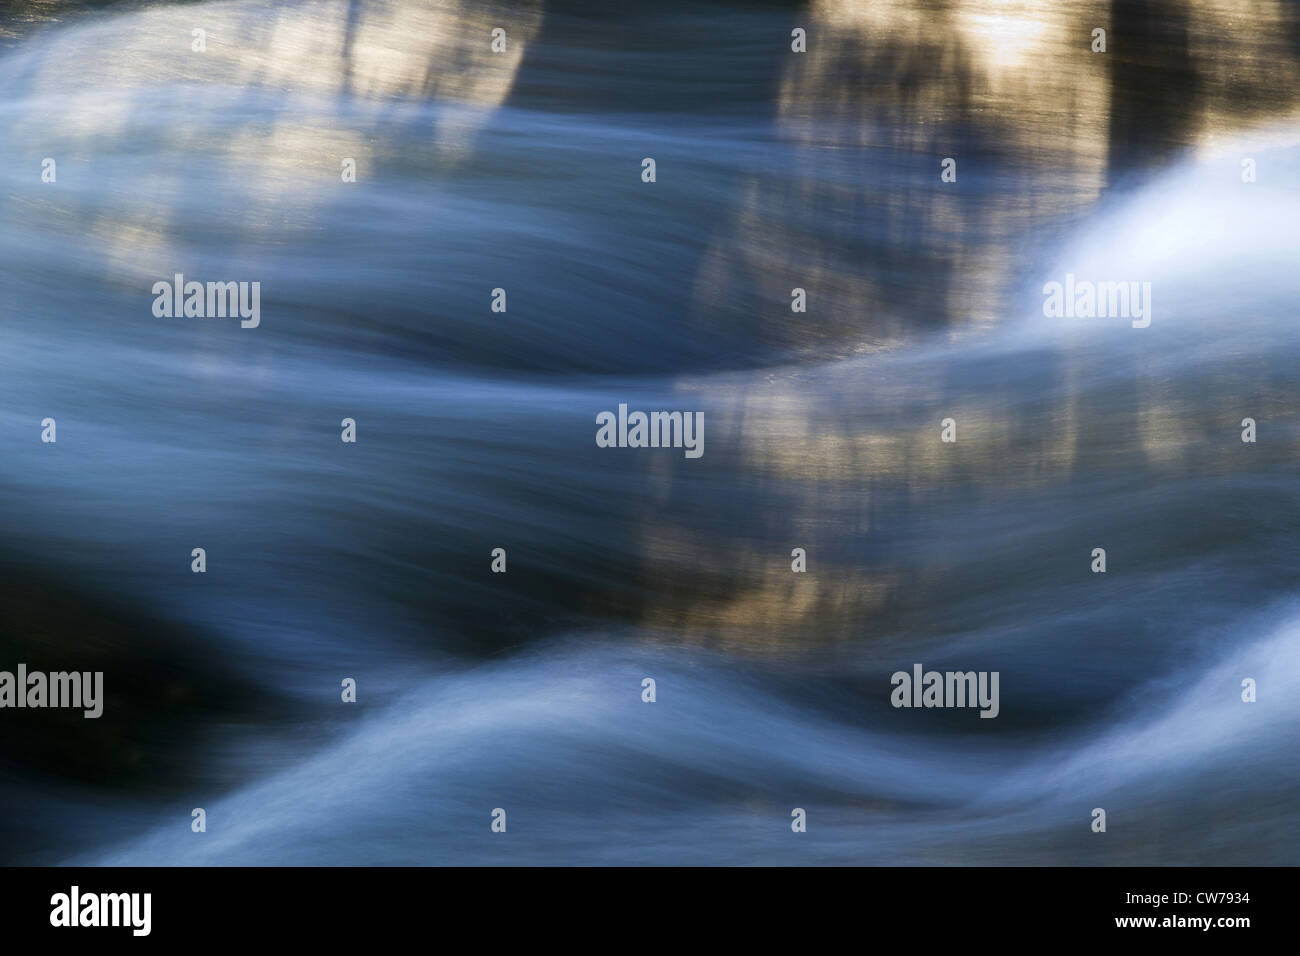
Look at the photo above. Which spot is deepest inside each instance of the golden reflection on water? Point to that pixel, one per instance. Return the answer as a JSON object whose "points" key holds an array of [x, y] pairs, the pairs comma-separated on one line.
{"points": [[262, 102], [1014, 90]]}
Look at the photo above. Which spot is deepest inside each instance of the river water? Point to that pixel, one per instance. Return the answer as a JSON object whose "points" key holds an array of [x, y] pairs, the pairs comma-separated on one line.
{"points": [[522, 170]]}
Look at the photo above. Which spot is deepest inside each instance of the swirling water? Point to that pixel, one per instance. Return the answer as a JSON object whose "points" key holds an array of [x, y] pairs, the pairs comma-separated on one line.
{"points": [[476, 430]]}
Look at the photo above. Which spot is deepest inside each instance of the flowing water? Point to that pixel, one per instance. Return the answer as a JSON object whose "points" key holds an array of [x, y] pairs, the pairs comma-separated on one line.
{"points": [[475, 430]]}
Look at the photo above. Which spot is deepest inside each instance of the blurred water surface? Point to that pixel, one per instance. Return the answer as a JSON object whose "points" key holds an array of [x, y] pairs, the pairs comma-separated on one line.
{"points": [[475, 430]]}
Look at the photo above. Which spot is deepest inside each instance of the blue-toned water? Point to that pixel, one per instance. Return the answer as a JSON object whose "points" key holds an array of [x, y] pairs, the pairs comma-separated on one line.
{"points": [[475, 430]]}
